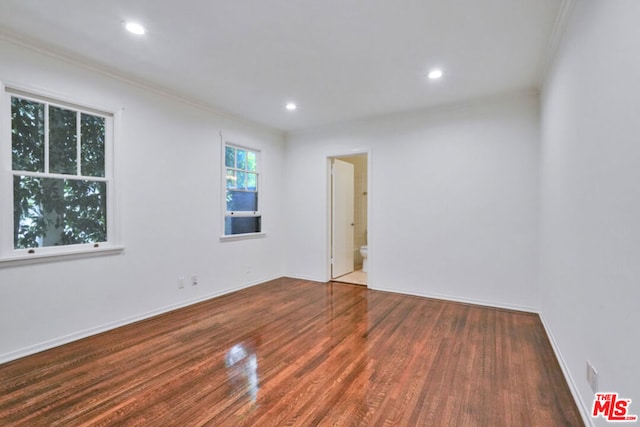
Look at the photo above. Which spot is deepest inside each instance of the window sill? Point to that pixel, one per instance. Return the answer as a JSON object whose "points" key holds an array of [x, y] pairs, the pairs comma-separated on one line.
{"points": [[245, 236], [62, 255]]}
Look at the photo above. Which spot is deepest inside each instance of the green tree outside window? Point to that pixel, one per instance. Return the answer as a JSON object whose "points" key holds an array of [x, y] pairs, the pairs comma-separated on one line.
{"points": [[63, 202]]}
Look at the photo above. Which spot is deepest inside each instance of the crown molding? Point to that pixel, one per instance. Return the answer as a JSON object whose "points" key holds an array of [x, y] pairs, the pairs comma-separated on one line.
{"points": [[70, 58], [428, 111]]}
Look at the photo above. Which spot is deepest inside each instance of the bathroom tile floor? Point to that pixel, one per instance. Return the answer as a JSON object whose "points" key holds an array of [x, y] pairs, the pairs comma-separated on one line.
{"points": [[357, 277]]}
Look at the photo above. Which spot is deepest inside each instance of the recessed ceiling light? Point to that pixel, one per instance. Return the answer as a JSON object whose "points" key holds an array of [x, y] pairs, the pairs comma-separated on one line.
{"points": [[435, 74], [134, 27], [290, 106]]}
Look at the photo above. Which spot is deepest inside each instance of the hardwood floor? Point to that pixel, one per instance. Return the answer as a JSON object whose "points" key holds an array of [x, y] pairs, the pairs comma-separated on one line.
{"points": [[297, 353]]}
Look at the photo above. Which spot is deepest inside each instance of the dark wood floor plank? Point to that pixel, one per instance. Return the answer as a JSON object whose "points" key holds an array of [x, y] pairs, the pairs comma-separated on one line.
{"points": [[297, 353]]}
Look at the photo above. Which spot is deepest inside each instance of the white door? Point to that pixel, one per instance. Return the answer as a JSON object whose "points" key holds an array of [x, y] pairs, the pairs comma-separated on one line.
{"points": [[342, 225]]}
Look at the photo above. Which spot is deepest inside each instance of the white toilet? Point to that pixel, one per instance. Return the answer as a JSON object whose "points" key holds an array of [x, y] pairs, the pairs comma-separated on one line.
{"points": [[363, 252]]}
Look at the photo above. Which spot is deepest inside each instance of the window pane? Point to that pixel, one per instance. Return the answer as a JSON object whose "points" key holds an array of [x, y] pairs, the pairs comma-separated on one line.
{"points": [[242, 159], [92, 145], [229, 157], [29, 223], [231, 178], [62, 141], [54, 212], [242, 201], [252, 181], [86, 212], [251, 161], [235, 225], [242, 180], [27, 135]]}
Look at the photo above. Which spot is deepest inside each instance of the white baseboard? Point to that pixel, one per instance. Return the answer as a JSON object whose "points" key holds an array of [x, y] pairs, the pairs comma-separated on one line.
{"points": [[584, 411], [309, 278], [65, 339], [484, 303]]}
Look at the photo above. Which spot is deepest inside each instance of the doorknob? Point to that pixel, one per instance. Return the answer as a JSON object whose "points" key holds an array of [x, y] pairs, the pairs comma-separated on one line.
{"points": [[352, 224]]}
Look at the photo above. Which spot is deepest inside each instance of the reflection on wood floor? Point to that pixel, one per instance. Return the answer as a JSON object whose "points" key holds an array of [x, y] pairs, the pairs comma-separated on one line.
{"points": [[357, 277], [297, 353]]}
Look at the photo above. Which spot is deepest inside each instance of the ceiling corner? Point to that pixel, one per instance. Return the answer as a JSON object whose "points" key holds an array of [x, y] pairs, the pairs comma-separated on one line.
{"points": [[555, 39]]}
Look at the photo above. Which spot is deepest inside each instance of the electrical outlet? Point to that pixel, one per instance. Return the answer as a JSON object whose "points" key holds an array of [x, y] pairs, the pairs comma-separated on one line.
{"points": [[592, 377], [180, 282], [194, 280]]}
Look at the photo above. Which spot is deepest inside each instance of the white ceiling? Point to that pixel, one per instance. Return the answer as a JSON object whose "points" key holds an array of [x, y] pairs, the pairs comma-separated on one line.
{"points": [[337, 59]]}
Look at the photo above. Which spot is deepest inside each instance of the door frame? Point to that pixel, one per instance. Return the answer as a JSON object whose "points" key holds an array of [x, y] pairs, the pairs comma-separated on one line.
{"points": [[370, 235]]}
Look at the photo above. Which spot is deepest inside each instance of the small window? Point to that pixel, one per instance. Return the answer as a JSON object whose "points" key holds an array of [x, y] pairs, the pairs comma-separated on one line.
{"points": [[60, 179], [241, 168]]}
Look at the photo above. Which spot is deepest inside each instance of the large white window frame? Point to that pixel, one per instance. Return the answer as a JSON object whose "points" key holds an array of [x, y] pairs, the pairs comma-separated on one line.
{"points": [[228, 172], [9, 255]]}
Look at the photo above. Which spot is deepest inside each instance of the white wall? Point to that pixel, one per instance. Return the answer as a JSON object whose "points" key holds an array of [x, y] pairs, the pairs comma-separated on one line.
{"points": [[169, 181], [453, 200], [453, 209], [590, 221]]}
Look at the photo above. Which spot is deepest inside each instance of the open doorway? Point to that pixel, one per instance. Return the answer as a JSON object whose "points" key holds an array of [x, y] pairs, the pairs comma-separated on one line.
{"points": [[349, 219]]}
